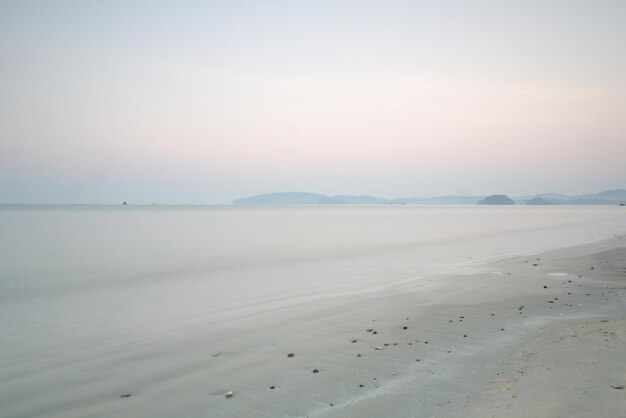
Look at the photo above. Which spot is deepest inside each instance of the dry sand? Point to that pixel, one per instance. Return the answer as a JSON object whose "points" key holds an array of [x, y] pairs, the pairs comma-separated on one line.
{"points": [[532, 336]]}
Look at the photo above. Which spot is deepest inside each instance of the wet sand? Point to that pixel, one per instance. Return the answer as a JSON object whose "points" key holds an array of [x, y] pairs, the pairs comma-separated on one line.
{"points": [[536, 335]]}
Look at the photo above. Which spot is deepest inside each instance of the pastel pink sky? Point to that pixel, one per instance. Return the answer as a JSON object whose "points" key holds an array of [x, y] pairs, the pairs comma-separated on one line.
{"points": [[203, 103]]}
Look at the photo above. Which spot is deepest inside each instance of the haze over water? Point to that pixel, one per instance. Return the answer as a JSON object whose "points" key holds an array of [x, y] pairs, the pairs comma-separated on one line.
{"points": [[206, 102]]}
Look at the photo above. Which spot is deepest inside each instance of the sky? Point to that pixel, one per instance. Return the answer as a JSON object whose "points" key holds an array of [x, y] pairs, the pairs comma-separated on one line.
{"points": [[207, 101]]}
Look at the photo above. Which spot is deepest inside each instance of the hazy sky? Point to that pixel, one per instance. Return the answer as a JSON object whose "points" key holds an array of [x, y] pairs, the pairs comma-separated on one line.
{"points": [[206, 101]]}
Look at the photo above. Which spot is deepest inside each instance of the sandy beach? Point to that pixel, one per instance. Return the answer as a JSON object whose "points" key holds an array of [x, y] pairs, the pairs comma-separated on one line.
{"points": [[496, 330]]}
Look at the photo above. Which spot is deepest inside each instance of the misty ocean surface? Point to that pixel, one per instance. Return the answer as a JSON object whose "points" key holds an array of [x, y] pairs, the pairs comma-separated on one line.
{"points": [[95, 299], [206, 252], [160, 263]]}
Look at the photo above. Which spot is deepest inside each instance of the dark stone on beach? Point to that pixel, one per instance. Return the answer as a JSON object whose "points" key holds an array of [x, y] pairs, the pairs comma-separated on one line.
{"points": [[369, 330], [361, 386], [315, 371], [375, 332], [617, 386], [405, 327], [290, 355], [125, 395], [535, 265], [545, 287], [272, 387], [465, 335], [353, 341]]}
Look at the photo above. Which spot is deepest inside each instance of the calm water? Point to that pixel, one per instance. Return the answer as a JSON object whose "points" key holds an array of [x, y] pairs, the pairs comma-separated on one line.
{"points": [[63, 248], [93, 299]]}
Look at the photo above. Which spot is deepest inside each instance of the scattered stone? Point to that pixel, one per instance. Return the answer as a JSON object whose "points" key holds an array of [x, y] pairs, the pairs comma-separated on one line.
{"points": [[405, 327], [535, 265], [361, 386], [315, 371], [125, 395], [375, 332], [369, 330], [215, 354], [359, 355], [545, 287], [272, 387], [229, 394], [353, 341], [617, 386], [465, 335], [290, 355]]}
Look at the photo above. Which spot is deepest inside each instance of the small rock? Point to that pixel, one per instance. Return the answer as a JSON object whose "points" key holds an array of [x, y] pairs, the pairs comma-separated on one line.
{"points": [[229, 394], [290, 355], [405, 327], [545, 287], [353, 341], [617, 386], [315, 371], [272, 387], [125, 395], [359, 355], [369, 330]]}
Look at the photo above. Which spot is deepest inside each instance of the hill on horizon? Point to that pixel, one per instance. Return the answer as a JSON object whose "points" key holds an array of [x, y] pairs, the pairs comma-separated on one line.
{"points": [[608, 197]]}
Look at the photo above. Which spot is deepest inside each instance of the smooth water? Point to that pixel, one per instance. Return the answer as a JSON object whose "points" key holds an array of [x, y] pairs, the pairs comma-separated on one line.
{"points": [[95, 298], [61, 249]]}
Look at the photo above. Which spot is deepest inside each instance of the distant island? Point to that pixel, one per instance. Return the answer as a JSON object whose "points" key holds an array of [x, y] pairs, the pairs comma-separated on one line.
{"points": [[609, 197], [496, 199]]}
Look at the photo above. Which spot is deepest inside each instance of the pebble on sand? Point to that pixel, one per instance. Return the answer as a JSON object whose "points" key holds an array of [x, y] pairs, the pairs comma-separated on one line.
{"points": [[290, 355], [125, 395], [315, 371], [229, 394], [617, 386]]}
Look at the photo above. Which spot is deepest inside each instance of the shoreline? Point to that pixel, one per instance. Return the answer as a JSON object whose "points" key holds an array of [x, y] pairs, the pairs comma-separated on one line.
{"points": [[462, 330]]}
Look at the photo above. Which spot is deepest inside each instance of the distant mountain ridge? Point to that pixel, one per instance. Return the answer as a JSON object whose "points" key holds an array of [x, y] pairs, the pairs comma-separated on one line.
{"points": [[608, 197]]}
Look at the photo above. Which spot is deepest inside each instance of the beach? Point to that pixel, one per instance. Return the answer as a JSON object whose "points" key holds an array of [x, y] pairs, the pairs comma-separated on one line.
{"points": [[312, 312]]}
